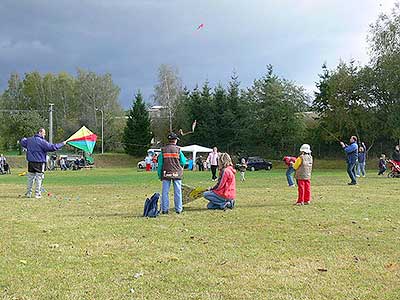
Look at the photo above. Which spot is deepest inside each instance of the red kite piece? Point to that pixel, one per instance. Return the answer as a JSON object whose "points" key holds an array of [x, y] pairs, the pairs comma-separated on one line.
{"points": [[200, 26]]}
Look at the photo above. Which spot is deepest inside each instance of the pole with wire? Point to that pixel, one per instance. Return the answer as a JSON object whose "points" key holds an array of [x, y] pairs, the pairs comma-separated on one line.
{"points": [[51, 123], [102, 129]]}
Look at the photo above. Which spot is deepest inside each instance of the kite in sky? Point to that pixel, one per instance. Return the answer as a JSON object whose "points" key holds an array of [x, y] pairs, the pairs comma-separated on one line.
{"points": [[193, 127], [200, 26], [83, 139]]}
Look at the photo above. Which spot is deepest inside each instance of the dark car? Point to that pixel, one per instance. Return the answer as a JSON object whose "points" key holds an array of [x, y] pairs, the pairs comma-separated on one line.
{"points": [[255, 163]]}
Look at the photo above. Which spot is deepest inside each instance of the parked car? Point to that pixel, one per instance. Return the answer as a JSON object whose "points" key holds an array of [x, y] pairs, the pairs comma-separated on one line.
{"points": [[255, 163]]}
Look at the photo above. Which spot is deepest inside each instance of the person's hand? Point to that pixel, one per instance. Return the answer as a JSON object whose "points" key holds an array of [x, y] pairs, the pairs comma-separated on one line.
{"points": [[342, 144]]}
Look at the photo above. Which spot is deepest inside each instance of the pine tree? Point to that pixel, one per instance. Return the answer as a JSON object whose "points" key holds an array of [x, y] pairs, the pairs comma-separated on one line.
{"points": [[137, 135]]}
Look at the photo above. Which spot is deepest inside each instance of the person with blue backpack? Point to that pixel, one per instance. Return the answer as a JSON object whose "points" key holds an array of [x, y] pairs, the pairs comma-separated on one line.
{"points": [[352, 156], [170, 169]]}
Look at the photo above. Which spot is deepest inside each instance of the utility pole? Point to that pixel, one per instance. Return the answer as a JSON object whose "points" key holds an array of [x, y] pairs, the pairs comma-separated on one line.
{"points": [[168, 105], [51, 123], [102, 129]]}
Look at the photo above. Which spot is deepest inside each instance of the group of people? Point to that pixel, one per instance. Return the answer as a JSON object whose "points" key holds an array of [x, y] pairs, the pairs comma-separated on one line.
{"points": [[171, 161], [302, 167], [395, 159], [170, 170], [151, 161]]}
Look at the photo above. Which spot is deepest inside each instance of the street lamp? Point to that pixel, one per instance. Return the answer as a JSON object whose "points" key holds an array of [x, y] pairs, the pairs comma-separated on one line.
{"points": [[102, 129]]}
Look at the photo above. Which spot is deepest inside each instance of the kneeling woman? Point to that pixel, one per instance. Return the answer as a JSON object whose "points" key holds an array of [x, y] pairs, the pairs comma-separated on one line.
{"points": [[223, 194]]}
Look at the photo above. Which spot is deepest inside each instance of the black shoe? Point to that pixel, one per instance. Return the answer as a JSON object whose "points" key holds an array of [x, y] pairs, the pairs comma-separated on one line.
{"points": [[352, 183], [179, 212], [229, 204], [164, 212]]}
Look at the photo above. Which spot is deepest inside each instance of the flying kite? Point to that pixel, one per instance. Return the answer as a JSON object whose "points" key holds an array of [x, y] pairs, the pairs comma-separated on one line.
{"points": [[193, 127], [83, 139], [200, 26]]}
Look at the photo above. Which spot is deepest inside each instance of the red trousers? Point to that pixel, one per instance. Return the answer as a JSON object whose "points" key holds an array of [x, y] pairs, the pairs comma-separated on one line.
{"points": [[148, 167], [304, 191]]}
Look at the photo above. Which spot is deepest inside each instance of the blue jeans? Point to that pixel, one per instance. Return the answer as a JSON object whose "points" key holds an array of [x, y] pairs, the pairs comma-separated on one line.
{"points": [[177, 195], [289, 173], [351, 170], [217, 202], [361, 169]]}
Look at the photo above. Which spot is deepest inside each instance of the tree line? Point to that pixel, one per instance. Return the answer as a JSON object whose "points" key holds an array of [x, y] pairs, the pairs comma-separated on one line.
{"points": [[272, 117], [24, 106]]}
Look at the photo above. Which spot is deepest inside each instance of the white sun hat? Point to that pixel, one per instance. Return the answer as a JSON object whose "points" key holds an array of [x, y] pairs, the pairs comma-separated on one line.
{"points": [[305, 148]]}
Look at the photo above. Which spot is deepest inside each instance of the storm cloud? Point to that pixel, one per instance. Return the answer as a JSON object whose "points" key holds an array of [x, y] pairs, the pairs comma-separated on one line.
{"points": [[131, 38]]}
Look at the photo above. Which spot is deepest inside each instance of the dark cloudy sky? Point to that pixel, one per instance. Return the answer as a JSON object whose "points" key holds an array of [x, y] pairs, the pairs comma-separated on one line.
{"points": [[131, 38]]}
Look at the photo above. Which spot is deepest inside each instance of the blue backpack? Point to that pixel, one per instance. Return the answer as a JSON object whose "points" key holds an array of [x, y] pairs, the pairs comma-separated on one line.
{"points": [[151, 206]]}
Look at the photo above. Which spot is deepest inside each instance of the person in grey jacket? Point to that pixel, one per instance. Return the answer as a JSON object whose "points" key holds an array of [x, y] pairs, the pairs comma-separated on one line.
{"points": [[37, 148]]}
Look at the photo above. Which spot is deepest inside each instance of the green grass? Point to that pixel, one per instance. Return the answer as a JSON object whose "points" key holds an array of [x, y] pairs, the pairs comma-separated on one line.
{"points": [[88, 240]]}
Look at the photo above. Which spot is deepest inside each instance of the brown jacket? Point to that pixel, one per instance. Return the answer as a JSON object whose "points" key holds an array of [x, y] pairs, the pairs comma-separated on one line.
{"points": [[172, 168], [304, 171]]}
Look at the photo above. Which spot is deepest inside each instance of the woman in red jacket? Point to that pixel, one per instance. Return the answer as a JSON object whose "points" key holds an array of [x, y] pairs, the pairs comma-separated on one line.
{"points": [[223, 194]]}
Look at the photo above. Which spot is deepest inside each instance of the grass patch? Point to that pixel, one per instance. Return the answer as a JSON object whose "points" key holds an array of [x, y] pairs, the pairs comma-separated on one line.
{"points": [[88, 240]]}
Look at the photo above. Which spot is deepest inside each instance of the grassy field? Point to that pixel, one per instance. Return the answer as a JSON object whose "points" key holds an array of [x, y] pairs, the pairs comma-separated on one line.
{"points": [[89, 241]]}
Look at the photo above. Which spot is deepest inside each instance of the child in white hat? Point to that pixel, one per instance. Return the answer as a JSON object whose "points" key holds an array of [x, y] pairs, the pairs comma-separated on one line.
{"points": [[303, 167]]}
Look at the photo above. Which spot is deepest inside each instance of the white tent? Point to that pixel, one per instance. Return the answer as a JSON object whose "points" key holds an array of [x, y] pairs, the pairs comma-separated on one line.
{"points": [[195, 149]]}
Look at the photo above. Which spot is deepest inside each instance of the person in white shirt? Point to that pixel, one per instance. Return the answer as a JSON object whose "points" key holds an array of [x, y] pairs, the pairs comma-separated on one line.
{"points": [[212, 160]]}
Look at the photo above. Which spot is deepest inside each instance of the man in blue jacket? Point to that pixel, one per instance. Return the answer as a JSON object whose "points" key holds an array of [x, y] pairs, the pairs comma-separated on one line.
{"points": [[37, 148], [352, 154]]}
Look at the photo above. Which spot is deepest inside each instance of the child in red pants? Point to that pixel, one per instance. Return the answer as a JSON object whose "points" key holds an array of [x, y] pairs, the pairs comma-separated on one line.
{"points": [[303, 167]]}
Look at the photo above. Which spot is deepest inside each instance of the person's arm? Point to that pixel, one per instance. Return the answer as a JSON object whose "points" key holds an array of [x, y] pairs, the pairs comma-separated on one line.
{"points": [[350, 148], [160, 165], [46, 146], [297, 163], [24, 142], [182, 159]]}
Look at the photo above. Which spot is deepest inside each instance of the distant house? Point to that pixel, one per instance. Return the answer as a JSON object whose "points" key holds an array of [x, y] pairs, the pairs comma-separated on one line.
{"points": [[157, 112]]}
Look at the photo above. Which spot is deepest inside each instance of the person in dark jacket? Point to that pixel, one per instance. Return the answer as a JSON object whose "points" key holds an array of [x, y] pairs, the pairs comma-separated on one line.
{"points": [[382, 164], [352, 156], [37, 148], [396, 154], [170, 169], [361, 162]]}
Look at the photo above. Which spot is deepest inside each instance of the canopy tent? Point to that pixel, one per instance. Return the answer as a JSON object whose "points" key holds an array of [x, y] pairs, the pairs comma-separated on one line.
{"points": [[196, 149]]}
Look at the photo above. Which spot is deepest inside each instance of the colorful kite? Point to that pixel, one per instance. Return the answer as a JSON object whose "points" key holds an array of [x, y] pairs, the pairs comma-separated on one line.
{"points": [[83, 139], [200, 26], [189, 193]]}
